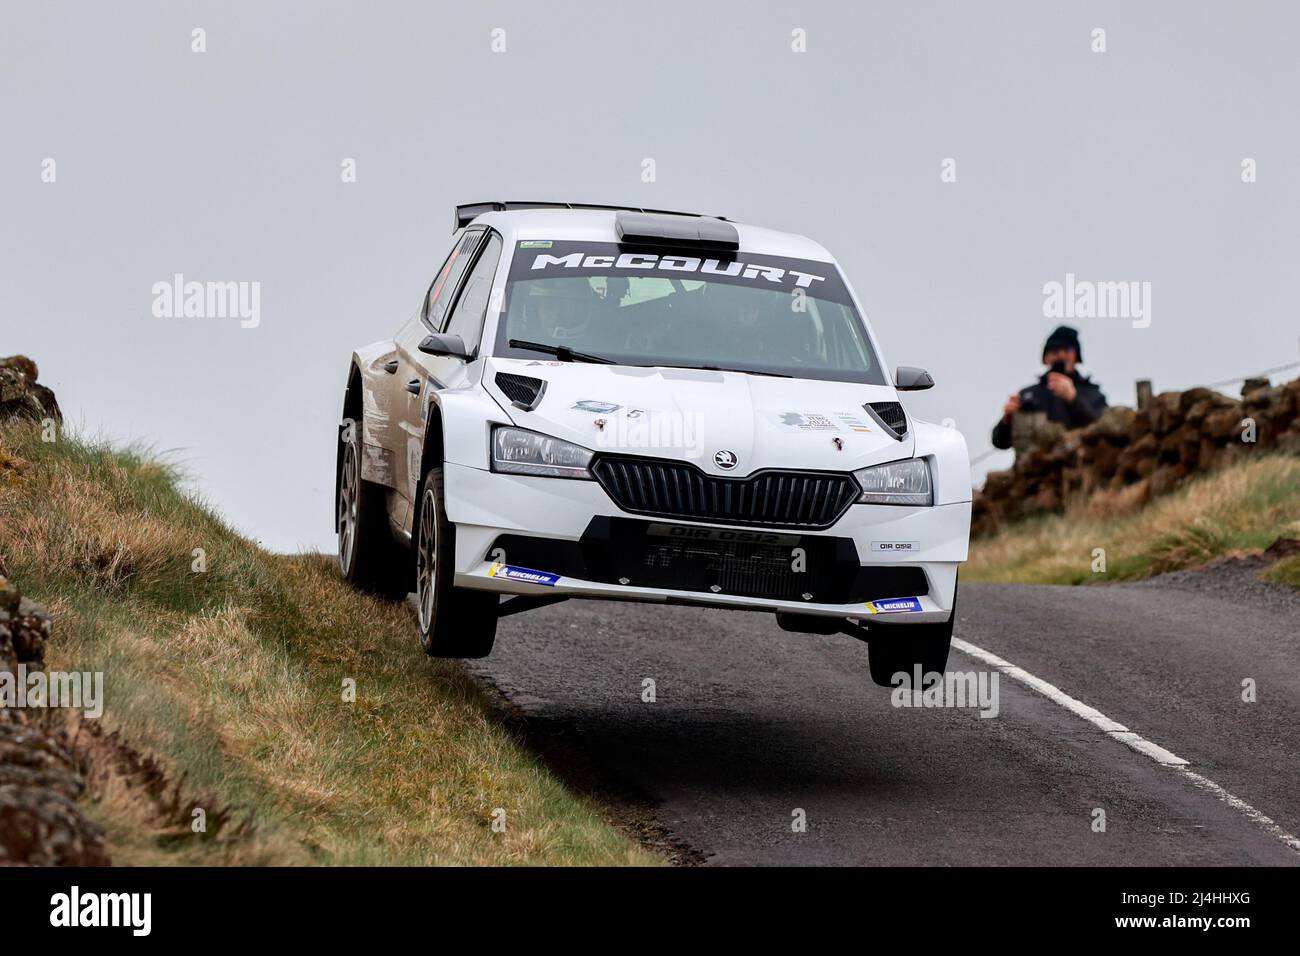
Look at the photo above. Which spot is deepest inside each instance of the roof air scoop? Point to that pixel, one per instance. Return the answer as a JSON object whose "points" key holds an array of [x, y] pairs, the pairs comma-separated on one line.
{"points": [[698, 232]]}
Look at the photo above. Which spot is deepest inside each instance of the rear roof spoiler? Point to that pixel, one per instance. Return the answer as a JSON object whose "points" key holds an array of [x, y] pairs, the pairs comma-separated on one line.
{"points": [[467, 212]]}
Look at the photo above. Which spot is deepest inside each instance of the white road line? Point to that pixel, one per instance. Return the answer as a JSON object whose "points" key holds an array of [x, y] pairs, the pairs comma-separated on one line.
{"points": [[1264, 822], [1118, 731]]}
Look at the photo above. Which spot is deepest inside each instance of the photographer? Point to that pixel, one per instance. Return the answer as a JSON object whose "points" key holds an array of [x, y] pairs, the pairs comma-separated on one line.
{"points": [[1062, 393]]}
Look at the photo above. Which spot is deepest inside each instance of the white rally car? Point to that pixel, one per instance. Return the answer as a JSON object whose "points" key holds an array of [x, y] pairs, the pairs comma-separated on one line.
{"points": [[606, 402]]}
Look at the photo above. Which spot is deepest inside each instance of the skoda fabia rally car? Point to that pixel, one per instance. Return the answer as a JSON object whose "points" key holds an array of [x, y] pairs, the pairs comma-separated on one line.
{"points": [[624, 404]]}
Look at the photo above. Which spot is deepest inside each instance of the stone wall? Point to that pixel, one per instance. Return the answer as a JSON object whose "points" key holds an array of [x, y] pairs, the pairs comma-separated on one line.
{"points": [[1135, 455], [21, 396], [41, 774]]}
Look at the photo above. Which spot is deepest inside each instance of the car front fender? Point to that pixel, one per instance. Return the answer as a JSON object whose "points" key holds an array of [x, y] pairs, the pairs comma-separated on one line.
{"points": [[946, 448]]}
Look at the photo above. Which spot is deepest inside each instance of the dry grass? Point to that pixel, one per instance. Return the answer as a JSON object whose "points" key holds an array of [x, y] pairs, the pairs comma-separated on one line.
{"points": [[1286, 571], [233, 679], [1239, 509]]}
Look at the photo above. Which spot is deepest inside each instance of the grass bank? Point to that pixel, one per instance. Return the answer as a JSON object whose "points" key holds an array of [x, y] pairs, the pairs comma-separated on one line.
{"points": [[1238, 510], [226, 673]]}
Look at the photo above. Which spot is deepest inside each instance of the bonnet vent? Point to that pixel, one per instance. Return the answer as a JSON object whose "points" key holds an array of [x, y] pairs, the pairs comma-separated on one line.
{"points": [[524, 391], [891, 415]]}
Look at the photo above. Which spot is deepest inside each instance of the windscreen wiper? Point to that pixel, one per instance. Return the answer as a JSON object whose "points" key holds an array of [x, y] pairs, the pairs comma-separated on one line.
{"points": [[742, 371], [561, 352]]}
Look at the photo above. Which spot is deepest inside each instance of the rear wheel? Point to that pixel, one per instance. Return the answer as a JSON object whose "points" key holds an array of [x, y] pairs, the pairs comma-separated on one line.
{"points": [[368, 556], [453, 622]]}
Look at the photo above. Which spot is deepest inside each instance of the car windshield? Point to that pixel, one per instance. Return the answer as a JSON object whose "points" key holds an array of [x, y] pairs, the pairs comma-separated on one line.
{"points": [[733, 311]]}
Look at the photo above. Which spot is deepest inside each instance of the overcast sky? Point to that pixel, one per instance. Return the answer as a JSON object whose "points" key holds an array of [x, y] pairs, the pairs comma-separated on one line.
{"points": [[1123, 165]]}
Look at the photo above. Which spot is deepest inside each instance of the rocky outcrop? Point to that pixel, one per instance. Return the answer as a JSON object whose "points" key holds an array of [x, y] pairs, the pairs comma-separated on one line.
{"points": [[21, 396], [24, 629], [1132, 456], [41, 777]]}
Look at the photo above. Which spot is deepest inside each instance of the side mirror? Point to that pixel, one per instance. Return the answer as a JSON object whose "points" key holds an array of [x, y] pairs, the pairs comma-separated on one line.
{"points": [[443, 343], [909, 379]]}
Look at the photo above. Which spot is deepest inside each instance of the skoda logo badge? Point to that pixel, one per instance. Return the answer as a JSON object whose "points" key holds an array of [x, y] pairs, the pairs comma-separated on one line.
{"points": [[725, 460]]}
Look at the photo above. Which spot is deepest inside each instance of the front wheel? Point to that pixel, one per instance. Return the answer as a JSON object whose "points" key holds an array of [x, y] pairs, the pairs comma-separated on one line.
{"points": [[453, 622], [902, 647]]}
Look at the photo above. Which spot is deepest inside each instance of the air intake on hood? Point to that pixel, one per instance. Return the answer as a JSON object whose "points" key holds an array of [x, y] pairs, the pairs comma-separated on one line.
{"points": [[891, 415], [524, 391]]}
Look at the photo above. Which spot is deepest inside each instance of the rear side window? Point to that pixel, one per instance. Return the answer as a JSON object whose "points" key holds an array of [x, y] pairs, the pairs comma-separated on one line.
{"points": [[444, 286], [467, 318]]}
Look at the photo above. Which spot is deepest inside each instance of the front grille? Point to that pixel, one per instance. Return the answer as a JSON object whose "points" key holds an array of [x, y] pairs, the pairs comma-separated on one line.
{"points": [[523, 390], [668, 489], [892, 414]]}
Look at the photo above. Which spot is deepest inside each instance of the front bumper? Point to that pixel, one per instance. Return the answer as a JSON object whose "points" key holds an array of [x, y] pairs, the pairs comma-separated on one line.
{"points": [[594, 550]]}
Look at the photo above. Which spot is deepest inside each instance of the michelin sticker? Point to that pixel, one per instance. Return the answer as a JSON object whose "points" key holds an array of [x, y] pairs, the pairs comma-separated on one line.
{"points": [[511, 573], [600, 408], [894, 605]]}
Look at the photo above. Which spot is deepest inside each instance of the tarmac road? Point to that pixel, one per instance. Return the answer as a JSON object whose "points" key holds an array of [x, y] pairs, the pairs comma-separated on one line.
{"points": [[751, 725]]}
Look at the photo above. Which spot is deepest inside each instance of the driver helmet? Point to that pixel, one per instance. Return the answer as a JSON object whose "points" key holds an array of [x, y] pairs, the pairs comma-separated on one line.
{"points": [[562, 307]]}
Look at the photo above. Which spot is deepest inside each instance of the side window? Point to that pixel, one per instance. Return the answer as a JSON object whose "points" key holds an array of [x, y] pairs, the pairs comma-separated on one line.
{"points": [[444, 286], [467, 318]]}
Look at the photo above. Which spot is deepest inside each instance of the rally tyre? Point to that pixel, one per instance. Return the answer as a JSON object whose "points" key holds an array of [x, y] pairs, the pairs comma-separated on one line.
{"points": [[453, 622], [901, 647], [368, 556]]}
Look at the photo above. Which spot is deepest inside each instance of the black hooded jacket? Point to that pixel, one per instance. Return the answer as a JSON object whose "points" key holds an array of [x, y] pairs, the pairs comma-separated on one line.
{"points": [[1085, 409]]}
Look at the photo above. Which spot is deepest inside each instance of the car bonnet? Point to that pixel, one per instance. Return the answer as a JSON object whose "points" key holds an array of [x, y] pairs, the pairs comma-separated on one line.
{"points": [[727, 423]]}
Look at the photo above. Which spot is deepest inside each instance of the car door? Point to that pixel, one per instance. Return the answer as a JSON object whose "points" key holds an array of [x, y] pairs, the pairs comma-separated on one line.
{"points": [[411, 380]]}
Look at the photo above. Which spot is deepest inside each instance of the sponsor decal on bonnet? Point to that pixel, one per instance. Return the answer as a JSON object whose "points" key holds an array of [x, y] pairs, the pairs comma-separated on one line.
{"points": [[808, 421], [894, 605], [512, 573], [821, 421], [600, 408], [853, 422]]}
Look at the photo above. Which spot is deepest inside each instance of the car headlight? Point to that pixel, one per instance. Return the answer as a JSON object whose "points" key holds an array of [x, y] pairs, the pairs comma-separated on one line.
{"points": [[896, 483], [517, 451]]}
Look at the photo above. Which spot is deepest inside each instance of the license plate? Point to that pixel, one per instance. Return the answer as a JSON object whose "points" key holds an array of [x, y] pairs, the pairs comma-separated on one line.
{"points": [[733, 535]]}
